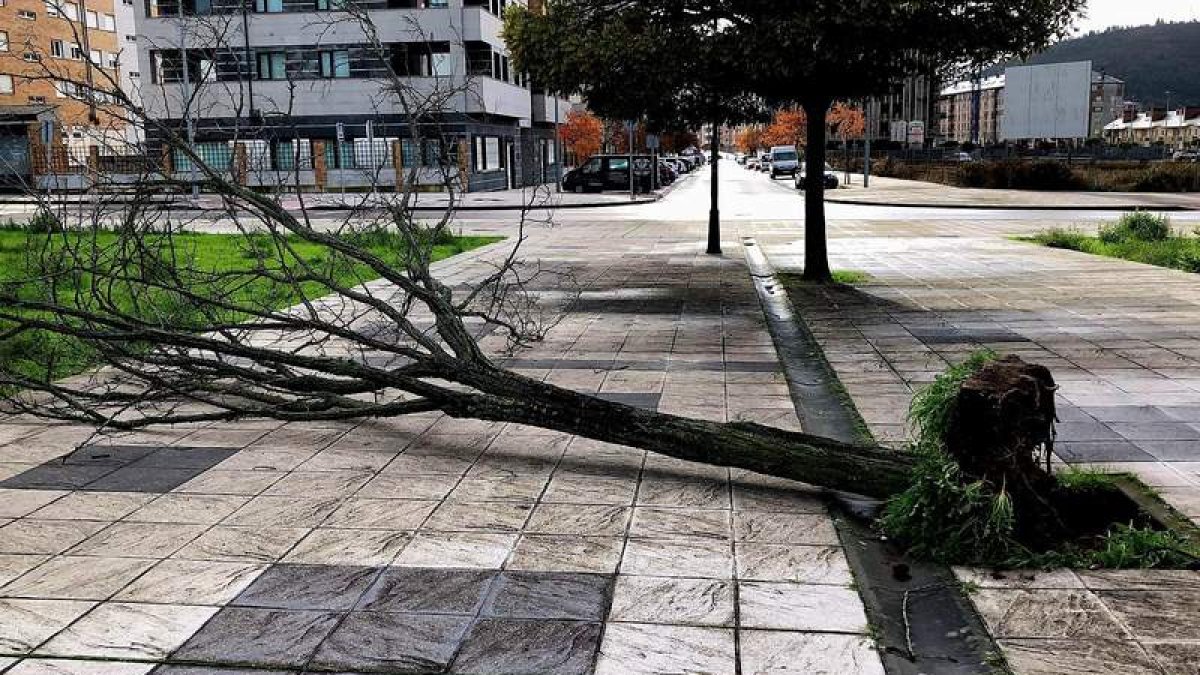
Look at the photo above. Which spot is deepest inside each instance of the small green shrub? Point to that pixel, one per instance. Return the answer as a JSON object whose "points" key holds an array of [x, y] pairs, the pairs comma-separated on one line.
{"points": [[43, 222], [1145, 226], [1189, 260], [1060, 238]]}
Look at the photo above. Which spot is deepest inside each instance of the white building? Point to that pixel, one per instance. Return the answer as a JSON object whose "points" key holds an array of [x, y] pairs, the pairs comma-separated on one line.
{"points": [[1172, 128], [283, 77]]}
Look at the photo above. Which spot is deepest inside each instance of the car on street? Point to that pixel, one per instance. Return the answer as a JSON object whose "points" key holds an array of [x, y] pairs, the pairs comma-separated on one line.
{"points": [[830, 179], [609, 172], [752, 163], [784, 161], [961, 157], [764, 162], [1186, 156]]}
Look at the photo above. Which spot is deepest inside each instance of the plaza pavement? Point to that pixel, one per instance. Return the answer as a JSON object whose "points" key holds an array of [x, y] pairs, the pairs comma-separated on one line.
{"points": [[1123, 342], [433, 544], [428, 544]]}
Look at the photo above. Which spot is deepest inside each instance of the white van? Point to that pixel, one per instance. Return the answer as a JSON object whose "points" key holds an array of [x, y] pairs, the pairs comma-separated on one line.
{"points": [[784, 160]]}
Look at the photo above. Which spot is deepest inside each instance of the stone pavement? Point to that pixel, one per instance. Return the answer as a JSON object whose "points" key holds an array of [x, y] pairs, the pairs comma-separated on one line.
{"points": [[1123, 341], [898, 192], [427, 544]]}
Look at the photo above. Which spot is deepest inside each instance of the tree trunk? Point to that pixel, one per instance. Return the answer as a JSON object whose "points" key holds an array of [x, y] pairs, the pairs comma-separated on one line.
{"points": [[816, 252], [823, 462]]}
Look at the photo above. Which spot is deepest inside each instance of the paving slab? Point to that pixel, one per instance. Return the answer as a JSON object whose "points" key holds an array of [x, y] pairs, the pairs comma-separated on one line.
{"points": [[474, 547]]}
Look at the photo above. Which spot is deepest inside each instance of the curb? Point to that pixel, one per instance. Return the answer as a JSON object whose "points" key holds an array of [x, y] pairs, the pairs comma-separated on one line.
{"points": [[347, 207], [1013, 207]]}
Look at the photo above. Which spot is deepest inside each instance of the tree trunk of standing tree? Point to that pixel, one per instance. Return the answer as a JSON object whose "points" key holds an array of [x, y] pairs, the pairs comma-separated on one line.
{"points": [[714, 209], [816, 252]]}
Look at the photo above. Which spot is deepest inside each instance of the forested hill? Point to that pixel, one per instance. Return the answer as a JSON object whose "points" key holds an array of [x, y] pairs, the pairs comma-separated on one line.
{"points": [[1151, 59]]}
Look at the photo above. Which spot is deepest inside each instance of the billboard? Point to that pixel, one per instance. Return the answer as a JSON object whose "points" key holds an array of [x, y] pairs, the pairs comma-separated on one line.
{"points": [[1047, 101]]}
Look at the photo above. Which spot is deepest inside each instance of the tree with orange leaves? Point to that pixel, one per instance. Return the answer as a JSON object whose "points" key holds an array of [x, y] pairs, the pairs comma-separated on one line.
{"points": [[582, 134], [846, 121], [787, 128], [750, 139]]}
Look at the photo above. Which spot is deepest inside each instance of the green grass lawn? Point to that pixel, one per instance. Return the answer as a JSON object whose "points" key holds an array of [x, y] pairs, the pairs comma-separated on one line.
{"points": [[230, 267], [1138, 237]]}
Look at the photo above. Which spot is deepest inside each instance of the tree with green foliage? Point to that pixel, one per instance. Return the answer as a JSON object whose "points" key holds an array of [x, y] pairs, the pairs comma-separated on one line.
{"points": [[674, 65], [676, 59]]}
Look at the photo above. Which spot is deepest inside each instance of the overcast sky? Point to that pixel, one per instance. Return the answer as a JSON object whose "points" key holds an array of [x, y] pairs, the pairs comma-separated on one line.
{"points": [[1104, 13]]}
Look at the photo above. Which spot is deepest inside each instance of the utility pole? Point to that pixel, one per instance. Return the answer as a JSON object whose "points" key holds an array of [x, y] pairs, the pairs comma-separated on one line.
{"points": [[632, 194], [557, 139], [867, 133], [187, 102]]}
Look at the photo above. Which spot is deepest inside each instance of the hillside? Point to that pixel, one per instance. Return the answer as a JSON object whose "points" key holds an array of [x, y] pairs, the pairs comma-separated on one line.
{"points": [[1151, 59]]}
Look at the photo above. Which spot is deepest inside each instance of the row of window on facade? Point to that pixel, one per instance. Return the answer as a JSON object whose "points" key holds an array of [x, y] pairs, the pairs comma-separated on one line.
{"points": [[70, 11], [359, 153], [405, 59], [168, 8]]}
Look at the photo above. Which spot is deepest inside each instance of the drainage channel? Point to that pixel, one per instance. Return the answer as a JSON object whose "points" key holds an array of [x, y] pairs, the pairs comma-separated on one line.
{"points": [[921, 618]]}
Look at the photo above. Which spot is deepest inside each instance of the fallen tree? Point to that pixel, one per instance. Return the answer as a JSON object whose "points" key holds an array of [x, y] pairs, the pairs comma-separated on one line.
{"points": [[344, 333]]}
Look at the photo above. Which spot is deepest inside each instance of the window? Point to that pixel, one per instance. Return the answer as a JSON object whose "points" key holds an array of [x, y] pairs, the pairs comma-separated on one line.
{"points": [[6, 85], [272, 66], [491, 153], [57, 50], [96, 56], [69, 10], [112, 61], [93, 21], [26, 14], [335, 64], [76, 52], [31, 57], [108, 22], [268, 6], [408, 153], [441, 65], [37, 99], [52, 8], [131, 38], [3, 41], [61, 88]]}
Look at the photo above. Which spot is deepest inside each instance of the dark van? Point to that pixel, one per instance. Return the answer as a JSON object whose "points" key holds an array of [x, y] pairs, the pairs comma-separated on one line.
{"points": [[609, 172]]}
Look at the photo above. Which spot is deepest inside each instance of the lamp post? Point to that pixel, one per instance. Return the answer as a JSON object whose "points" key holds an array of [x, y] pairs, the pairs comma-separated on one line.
{"points": [[187, 102]]}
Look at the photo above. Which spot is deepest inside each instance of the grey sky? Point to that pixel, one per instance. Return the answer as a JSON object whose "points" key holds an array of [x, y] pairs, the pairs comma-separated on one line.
{"points": [[1104, 13]]}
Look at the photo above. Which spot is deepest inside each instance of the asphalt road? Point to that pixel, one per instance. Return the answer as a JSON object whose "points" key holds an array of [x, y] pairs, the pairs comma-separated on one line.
{"points": [[744, 196]]}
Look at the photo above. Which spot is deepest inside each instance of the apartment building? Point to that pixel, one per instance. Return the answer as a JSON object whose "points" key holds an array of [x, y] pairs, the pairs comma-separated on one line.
{"points": [[911, 104], [970, 111], [976, 110], [50, 50], [1178, 129], [302, 90]]}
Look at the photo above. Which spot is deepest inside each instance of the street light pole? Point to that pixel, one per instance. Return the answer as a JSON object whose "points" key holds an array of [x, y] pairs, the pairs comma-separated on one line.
{"points": [[187, 103], [714, 211], [557, 139]]}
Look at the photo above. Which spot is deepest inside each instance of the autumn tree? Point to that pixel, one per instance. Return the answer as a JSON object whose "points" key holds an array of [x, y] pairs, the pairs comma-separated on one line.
{"points": [[749, 138], [786, 128], [582, 134], [847, 121]]}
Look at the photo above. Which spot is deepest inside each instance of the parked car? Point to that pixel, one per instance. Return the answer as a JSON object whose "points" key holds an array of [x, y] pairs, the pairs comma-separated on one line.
{"points": [[752, 163], [784, 161], [609, 172], [961, 157], [740, 158], [1186, 156], [831, 180], [764, 162]]}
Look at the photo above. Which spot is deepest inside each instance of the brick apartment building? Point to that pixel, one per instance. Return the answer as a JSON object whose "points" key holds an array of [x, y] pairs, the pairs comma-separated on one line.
{"points": [[49, 51]]}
